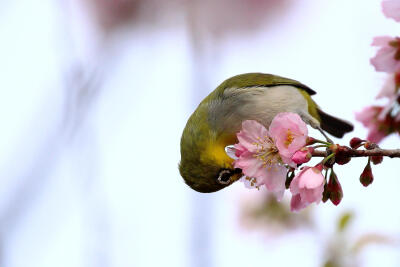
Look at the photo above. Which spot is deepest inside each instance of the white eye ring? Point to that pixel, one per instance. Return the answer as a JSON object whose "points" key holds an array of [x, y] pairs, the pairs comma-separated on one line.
{"points": [[221, 174]]}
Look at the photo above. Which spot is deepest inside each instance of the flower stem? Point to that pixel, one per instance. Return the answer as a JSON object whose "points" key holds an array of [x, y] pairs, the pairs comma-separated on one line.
{"points": [[328, 158], [323, 142], [320, 146]]}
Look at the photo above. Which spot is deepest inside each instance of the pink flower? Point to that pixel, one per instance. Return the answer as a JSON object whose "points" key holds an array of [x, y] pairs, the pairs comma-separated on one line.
{"points": [[391, 86], [259, 158], [289, 133], [388, 56], [303, 155], [369, 118], [391, 9], [307, 187]]}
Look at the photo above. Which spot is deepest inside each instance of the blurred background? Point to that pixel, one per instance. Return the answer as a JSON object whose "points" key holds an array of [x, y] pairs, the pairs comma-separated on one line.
{"points": [[94, 97]]}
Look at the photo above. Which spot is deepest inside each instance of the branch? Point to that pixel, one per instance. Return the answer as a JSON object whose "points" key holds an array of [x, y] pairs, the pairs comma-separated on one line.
{"points": [[355, 153]]}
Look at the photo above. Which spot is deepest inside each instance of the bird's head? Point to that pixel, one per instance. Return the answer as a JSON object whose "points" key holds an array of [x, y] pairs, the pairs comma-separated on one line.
{"points": [[209, 171], [204, 165]]}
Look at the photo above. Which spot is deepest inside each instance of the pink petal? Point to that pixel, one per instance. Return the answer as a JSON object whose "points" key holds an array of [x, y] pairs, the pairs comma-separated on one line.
{"points": [[239, 149], [366, 116], [250, 134], [375, 135], [311, 178], [285, 123], [274, 178], [296, 203], [250, 165], [279, 194], [382, 40], [385, 61], [294, 185], [389, 88], [249, 183], [288, 161], [312, 195], [391, 9], [306, 187]]}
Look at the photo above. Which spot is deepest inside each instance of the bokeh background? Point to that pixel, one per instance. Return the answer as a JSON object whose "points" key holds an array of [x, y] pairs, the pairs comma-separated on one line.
{"points": [[94, 97]]}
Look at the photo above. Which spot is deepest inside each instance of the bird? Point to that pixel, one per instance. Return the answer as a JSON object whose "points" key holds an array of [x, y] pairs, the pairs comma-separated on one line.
{"points": [[205, 165]]}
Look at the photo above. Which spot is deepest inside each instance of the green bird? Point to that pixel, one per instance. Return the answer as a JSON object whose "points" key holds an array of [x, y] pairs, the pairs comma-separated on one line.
{"points": [[204, 164]]}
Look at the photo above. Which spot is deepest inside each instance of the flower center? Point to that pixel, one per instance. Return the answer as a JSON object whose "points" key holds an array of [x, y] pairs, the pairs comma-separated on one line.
{"points": [[289, 138], [266, 151]]}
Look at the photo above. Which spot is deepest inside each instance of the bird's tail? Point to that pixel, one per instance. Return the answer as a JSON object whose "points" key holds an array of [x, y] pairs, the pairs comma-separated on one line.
{"points": [[335, 126]]}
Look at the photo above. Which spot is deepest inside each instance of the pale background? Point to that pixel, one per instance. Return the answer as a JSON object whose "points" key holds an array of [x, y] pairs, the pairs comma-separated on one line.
{"points": [[89, 176]]}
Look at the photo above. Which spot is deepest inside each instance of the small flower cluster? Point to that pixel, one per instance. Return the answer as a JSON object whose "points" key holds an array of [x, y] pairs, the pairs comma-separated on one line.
{"points": [[269, 158], [384, 120], [272, 157]]}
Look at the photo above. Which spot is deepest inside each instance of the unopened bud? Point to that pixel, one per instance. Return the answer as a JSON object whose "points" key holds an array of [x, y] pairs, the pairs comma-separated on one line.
{"points": [[366, 177], [369, 145], [303, 155], [326, 194], [356, 142], [310, 141], [377, 159], [335, 189], [342, 155], [319, 167]]}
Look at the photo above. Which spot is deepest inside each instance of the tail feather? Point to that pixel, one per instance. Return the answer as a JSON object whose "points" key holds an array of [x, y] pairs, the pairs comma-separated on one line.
{"points": [[335, 126]]}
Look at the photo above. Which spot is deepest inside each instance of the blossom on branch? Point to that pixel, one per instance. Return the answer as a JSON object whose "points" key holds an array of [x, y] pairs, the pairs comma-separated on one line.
{"points": [[307, 187], [290, 134], [388, 56], [369, 117], [391, 9], [262, 154], [391, 87]]}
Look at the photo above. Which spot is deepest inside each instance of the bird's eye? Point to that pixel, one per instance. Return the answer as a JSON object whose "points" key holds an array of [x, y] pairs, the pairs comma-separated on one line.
{"points": [[224, 177]]}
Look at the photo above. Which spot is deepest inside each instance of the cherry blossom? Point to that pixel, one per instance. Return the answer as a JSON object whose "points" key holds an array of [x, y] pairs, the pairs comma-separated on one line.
{"points": [[307, 187]]}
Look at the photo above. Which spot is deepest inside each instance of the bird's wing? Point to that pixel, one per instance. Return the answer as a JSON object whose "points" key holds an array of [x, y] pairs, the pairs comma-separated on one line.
{"points": [[262, 79]]}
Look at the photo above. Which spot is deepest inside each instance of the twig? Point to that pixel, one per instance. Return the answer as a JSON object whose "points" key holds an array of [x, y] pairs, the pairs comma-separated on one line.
{"points": [[354, 153]]}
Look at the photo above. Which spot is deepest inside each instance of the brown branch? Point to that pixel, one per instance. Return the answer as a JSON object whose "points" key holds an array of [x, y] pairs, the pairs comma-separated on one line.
{"points": [[354, 153]]}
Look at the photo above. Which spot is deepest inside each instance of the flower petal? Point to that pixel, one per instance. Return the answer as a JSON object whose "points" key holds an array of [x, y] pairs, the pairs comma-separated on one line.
{"points": [[250, 165], [385, 61], [391, 9], [274, 178], [296, 203], [389, 88], [381, 40], [251, 133], [312, 178], [289, 132], [231, 152], [249, 182]]}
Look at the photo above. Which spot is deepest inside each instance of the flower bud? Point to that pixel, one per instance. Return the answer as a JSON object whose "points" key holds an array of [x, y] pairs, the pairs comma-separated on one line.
{"points": [[335, 189], [342, 155], [326, 194], [377, 159], [310, 141], [303, 155], [356, 142], [366, 177], [369, 145]]}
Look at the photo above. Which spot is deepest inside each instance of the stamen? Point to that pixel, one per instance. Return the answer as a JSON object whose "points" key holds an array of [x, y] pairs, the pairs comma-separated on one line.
{"points": [[289, 138]]}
